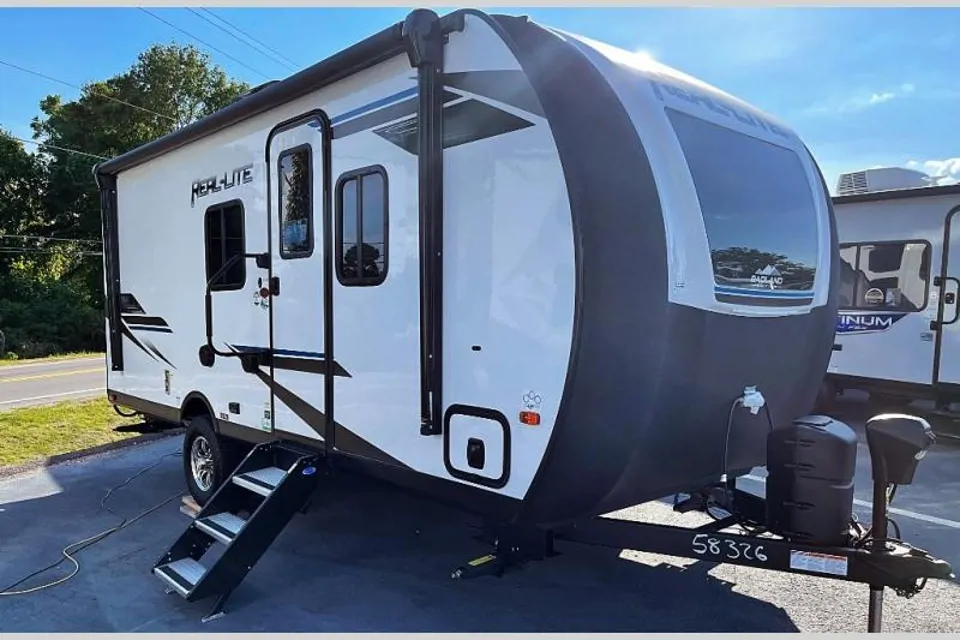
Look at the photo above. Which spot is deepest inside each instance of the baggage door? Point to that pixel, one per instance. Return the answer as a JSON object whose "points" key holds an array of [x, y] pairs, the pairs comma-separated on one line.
{"points": [[299, 313], [947, 371]]}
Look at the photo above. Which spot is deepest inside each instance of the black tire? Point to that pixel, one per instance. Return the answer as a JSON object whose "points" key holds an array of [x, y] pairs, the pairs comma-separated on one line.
{"points": [[222, 456]]}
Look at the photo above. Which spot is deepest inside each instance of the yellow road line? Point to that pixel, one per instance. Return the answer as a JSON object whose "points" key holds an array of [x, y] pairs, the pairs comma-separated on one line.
{"points": [[42, 376]]}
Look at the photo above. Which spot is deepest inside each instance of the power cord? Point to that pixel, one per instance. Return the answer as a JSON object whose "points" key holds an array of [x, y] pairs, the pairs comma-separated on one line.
{"points": [[92, 540], [125, 415]]}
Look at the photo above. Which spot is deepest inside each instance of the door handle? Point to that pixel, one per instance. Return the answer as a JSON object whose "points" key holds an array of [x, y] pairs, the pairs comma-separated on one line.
{"points": [[275, 286], [949, 298]]}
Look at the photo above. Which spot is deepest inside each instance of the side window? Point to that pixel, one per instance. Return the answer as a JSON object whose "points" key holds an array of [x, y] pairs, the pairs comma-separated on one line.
{"points": [[296, 200], [223, 238], [361, 234], [891, 276]]}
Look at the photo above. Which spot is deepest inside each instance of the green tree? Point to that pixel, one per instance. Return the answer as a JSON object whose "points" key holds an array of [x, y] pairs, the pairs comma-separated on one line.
{"points": [[54, 193]]}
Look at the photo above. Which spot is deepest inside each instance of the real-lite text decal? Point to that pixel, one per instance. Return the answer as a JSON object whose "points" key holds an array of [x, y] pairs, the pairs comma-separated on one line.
{"points": [[215, 184]]}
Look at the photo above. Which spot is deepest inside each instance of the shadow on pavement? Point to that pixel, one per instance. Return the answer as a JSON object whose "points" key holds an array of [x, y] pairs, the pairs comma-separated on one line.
{"points": [[367, 557]]}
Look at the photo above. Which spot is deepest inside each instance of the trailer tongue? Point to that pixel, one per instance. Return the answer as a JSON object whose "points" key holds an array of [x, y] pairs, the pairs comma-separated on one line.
{"points": [[772, 540]]}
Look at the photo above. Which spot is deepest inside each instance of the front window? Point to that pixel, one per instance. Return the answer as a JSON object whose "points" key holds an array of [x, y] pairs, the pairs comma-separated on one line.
{"points": [[759, 213]]}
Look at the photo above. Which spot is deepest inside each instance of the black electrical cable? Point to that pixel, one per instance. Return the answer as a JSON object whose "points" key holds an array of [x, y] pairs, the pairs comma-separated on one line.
{"points": [[92, 540], [125, 415]]}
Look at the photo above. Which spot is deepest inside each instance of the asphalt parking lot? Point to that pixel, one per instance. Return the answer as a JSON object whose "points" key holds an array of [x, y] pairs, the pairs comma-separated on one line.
{"points": [[370, 558]]}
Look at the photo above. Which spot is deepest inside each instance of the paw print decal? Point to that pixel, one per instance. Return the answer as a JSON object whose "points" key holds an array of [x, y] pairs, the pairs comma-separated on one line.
{"points": [[531, 400]]}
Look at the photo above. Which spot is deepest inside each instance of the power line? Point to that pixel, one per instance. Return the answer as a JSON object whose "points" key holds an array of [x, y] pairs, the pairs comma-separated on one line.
{"points": [[189, 35], [44, 144], [90, 91], [23, 237], [234, 36], [265, 46], [46, 251]]}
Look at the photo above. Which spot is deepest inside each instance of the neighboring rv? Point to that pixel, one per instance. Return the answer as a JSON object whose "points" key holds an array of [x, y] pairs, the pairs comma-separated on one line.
{"points": [[897, 332], [518, 270]]}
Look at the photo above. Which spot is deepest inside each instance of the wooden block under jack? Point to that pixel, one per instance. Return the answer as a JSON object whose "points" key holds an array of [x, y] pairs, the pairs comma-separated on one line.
{"points": [[189, 506]]}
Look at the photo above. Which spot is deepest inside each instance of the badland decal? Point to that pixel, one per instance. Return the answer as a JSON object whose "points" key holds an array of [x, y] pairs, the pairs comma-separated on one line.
{"points": [[715, 105], [769, 276], [215, 184]]}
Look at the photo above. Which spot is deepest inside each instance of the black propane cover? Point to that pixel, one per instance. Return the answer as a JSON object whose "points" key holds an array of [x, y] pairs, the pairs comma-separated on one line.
{"points": [[810, 469]]}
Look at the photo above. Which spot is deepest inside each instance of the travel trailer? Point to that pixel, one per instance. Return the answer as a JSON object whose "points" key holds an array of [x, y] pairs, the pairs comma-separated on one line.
{"points": [[523, 272], [898, 336]]}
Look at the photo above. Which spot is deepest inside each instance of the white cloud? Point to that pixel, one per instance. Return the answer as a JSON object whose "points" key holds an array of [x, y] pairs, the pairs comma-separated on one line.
{"points": [[861, 101], [948, 170]]}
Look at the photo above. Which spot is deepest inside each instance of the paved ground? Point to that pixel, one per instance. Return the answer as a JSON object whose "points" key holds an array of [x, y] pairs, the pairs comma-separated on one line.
{"points": [[369, 558], [47, 382]]}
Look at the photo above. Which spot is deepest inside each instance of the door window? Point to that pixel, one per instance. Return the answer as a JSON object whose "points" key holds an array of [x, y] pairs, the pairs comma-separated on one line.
{"points": [[892, 276], [296, 196]]}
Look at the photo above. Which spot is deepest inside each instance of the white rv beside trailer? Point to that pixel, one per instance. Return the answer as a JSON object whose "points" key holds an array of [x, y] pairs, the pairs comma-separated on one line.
{"points": [[898, 335], [518, 270]]}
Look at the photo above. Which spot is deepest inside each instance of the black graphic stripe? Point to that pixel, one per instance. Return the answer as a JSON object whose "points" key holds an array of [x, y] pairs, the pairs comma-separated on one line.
{"points": [[463, 122], [150, 321], [507, 86], [347, 441], [381, 116], [292, 360], [150, 349], [762, 302], [126, 331], [154, 348], [148, 328], [129, 304], [308, 365]]}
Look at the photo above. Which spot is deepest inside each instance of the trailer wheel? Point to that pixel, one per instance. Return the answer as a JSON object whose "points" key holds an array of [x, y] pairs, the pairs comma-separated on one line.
{"points": [[208, 459]]}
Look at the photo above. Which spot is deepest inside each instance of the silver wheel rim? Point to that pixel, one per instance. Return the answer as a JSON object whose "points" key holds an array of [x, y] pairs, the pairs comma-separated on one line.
{"points": [[201, 463]]}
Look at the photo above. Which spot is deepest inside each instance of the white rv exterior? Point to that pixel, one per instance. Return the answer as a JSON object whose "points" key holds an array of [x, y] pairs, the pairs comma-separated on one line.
{"points": [[557, 301], [897, 332]]}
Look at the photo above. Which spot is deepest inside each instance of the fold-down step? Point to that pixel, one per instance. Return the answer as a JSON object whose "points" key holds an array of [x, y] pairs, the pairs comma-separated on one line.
{"points": [[222, 526], [181, 574], [262, 481]]}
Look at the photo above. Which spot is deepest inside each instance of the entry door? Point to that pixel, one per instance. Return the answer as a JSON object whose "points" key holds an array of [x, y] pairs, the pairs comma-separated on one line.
{"points": [[948, 343], [297, 283]]}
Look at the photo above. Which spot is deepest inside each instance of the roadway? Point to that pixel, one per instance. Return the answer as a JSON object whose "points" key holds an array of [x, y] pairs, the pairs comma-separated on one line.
{"points": [[39, 383]]}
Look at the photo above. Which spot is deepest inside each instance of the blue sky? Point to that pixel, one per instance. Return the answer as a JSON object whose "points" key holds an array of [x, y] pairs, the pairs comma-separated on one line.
{"points": [[862, 86]]}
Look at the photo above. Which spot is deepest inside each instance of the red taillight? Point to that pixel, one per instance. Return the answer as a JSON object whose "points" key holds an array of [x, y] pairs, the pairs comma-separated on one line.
{"points": [[530, 418]]}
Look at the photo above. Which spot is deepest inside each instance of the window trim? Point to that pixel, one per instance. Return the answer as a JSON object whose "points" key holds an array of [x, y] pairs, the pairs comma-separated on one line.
{"points": [[295, 255], [220, 207], [928, 248], [360, 281]]}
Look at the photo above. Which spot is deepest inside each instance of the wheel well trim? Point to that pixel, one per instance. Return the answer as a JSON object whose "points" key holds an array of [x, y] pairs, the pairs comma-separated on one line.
{"points": [[189, 400]]}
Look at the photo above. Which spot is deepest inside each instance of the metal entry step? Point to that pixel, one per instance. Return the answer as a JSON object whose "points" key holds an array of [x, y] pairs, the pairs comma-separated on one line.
{"points": [[222, 526], [181, 574], [262, 481]]}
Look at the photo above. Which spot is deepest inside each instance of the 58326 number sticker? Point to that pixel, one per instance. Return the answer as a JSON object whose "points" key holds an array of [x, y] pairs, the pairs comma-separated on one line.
{"points": [[725, 549]]}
